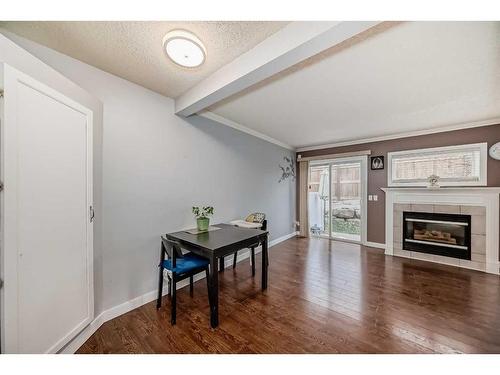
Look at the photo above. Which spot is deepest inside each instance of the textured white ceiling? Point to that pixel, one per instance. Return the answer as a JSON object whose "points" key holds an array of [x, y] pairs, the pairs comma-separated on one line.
{"points": [[412, 76], [133, 50]]}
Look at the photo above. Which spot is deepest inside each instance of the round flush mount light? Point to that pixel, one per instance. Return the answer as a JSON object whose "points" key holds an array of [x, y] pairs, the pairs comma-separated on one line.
{"points": [[184, 48]]}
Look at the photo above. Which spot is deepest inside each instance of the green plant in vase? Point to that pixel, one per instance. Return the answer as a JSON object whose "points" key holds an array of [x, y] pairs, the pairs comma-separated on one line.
{"points": [[202, 215]]}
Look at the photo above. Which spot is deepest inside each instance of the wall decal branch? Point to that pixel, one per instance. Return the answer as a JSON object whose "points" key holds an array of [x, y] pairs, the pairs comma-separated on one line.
{"points": [[287, 170]]}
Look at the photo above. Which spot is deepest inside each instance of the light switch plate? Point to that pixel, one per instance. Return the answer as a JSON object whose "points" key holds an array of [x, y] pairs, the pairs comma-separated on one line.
{"points": [[370, 197], [375, 197]]}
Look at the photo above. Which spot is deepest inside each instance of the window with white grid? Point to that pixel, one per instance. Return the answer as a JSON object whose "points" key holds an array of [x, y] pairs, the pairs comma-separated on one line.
{"points": [[463, 165]]}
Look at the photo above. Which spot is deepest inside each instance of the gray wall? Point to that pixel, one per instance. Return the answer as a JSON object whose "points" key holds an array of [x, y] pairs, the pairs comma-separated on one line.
{"points": [[156, 166]]}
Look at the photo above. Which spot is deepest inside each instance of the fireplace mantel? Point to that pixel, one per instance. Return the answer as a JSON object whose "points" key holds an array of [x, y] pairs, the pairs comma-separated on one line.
{"points": [[470, 189], [487, 197]]}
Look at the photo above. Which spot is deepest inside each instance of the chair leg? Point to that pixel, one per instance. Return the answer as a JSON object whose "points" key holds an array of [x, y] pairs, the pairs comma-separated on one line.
{"points": [[191, 285], [173, 311], [235, 258], [160, 287], [169, 286], [252, 254]]}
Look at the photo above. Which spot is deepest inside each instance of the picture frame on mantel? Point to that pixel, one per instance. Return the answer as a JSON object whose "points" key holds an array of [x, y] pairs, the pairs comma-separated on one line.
{"points": [[377, 163]]}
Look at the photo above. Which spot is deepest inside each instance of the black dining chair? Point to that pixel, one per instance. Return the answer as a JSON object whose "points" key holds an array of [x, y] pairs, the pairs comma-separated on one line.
{"points": [[179, 266], [252, 250]]}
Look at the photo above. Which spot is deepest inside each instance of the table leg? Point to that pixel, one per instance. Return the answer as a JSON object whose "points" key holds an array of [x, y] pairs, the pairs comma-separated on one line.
{"points": [[214, 293], [221, 264], [265, 264]]}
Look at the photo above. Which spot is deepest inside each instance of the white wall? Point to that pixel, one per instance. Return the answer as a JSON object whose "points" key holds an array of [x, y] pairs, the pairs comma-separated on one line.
{"points": [[157, 165]]}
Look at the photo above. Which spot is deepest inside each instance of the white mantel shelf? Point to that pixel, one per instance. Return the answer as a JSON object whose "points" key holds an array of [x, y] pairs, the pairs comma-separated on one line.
{"points": [[488, 197], [450, 189]]}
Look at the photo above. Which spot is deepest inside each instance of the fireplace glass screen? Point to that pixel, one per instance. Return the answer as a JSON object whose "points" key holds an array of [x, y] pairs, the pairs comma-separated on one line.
{"points": [[440, 234]]}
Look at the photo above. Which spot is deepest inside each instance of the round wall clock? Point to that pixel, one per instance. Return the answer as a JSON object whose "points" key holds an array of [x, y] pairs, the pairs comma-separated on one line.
{"points": [[495, 151]]}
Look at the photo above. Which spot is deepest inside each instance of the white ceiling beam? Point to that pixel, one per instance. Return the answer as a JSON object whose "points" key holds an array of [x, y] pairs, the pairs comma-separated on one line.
{"points": [[292, 44]]}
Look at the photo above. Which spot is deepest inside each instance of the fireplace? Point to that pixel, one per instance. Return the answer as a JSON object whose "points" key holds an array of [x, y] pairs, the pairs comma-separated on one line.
{"points": [[439, 234]]}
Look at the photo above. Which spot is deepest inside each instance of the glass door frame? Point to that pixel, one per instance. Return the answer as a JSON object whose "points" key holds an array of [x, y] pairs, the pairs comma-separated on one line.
{"points": [[363, 160]]}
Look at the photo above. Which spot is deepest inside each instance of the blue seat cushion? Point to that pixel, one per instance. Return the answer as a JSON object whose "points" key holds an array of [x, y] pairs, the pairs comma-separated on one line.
{"points": [[187, 263]]}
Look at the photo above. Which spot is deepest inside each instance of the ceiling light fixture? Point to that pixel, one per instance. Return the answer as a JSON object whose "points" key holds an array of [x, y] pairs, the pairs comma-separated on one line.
{"points": [[184, 48]]}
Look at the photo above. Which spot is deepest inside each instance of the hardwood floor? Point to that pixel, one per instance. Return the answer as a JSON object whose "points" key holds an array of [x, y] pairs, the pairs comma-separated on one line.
{"points": [[323, 297]]}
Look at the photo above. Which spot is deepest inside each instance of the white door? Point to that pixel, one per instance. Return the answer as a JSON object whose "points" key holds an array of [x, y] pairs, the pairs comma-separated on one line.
{"points": [[46, 169]]}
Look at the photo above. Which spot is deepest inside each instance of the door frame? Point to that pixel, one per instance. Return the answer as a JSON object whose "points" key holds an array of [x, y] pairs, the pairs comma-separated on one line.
{"points": [[363, 159], [9, 229]]}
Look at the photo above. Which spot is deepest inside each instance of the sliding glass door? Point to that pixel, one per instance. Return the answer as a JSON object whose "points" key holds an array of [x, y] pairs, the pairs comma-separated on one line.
{"points": [[346, 200], [336, 203]]}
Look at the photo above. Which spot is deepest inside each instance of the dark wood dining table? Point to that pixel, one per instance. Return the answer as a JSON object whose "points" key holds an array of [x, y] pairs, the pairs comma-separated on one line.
{"points": [[215, 245]]}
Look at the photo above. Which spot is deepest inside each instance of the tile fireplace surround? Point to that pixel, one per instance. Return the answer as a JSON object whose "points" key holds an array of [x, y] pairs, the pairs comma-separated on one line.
{"points": [[481, 203]]}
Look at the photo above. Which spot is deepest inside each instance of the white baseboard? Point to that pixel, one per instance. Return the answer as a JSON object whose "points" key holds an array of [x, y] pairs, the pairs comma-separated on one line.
{"points": [[83, 336], [134, 303], [378, 245]]}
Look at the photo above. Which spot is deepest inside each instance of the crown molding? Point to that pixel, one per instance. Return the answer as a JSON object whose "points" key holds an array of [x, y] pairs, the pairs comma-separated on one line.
{"points": [[468, 125], [235, 125]]}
